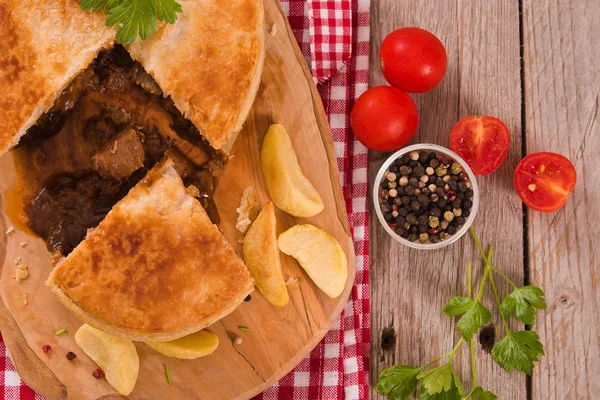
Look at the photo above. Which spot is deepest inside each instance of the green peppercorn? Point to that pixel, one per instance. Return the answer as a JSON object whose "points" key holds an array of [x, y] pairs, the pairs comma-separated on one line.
{"points": [[441, 170], [434, 221], [455, 168], [423, 238]]}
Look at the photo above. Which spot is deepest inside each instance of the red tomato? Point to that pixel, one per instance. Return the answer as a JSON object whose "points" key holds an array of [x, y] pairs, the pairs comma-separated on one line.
{"points": [[413, 59], [544, 181], [384, 118], [482, 142]]}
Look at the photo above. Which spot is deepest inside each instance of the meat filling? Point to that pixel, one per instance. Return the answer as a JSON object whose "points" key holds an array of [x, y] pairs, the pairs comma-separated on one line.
{"points": [[105, 131]]}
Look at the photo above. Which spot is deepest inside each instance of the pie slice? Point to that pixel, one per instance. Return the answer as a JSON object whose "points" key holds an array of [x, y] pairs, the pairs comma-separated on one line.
{"points": [[155, 268], [209, 62]]}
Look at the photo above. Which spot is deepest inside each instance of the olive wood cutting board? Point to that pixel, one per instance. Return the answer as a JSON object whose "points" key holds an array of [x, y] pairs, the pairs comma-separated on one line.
{"points": [[279, 337]]}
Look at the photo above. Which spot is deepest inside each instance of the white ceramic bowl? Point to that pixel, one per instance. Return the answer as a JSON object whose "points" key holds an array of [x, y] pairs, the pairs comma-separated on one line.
{"points": [[437, 149]]}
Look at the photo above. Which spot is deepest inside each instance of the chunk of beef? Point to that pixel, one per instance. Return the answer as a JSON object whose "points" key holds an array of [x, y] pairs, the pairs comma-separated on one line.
{"points": [[120, 157]]}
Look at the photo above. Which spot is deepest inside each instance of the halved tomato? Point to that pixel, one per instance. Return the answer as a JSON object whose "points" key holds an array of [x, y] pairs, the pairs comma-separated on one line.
{"points": [[544, 181], [482, 142]]}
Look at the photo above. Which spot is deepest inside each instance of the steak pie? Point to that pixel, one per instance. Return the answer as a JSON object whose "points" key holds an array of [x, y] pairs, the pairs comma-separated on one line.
{"points": [[119, 147]]}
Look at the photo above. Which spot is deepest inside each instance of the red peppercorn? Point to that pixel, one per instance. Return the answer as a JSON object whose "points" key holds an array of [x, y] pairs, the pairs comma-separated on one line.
{"points": [[46, 348], [98, 373], [451, 195], [71, 356]]}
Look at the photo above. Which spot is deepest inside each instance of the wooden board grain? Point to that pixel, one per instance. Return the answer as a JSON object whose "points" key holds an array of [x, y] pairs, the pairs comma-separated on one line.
{"points": [[562, 86], [409, 287], [279, 337]]}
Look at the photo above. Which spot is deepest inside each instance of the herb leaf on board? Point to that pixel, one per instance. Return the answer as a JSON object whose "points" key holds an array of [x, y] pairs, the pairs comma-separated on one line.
{"points": [[522, 303], [479, 394], [476, 315], [398, 382], [518, 350]]}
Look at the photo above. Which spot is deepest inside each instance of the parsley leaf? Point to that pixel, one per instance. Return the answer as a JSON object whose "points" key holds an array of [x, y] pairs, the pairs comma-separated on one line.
{"points": [[441, 383], [479, 394], [398, 382], [134, 17], [475, 315], [517, 350], [522, 303]]}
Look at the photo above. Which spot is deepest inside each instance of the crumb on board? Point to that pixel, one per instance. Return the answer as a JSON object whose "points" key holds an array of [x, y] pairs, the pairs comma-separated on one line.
{"points": [[247, 211], [193, 191], [292, 282], [25, 298], [21, 272], [10, 230], [23, 244], [273, 29]]}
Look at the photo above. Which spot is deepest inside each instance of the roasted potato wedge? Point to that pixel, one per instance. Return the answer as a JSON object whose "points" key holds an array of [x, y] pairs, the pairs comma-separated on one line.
{"points": [[262, 257], [319, 254], [288, 187], [192, 346], [117, 357]]}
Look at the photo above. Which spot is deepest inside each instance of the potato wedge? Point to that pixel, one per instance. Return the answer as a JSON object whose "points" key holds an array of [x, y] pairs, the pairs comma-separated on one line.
{"points": [[288, 187], [261, 256], [117, 357], [192, 346], [319, 254]]}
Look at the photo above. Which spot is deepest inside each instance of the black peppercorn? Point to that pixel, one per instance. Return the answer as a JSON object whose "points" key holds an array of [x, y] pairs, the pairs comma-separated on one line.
{"points": [[442, 202], [405, 170], [432, 155], [434, 163], [411, 219], [419, 212], [405, 200], [467, 204], [460, 221], [385, 208], [388, 217], [469, 193], [466, 213], [422, 219], [400, 231], [432, 179], [413, 229], [453, 185], [402, 211], [440, 191], [409, 190], [451, 229], [413, 237], [423, 199], [456, 203], [422, 228], [462, 186], [248, 298], [439, 182], [415, 205], [397, 200], [71, 356], [393, 168], [418, 171], [400, 220], [413, 163], [436, 212], [426, 191], [434, 238], [423, 156], [414, 182]]}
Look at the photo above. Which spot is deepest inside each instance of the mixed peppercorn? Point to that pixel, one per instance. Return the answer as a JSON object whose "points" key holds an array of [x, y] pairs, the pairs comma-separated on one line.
{"points": [[425, 196]]}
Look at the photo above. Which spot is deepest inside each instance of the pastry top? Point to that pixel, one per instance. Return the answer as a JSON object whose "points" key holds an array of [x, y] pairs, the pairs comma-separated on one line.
{"points": [[156, 268], [44, 45], [210, 63]]}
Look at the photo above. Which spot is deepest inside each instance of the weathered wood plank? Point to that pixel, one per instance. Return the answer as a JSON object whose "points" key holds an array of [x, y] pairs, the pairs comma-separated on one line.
{"points": [[409, 287], [562, 83]]}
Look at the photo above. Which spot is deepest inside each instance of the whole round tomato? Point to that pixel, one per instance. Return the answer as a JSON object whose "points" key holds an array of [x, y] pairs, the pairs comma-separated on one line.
{"points": [[384, 118], [413, 59], [544, 181], [482, 142]]}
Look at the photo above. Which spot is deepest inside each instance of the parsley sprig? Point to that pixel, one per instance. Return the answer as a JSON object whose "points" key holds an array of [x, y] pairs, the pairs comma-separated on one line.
{"points": [[134, 17], [517, 350]]}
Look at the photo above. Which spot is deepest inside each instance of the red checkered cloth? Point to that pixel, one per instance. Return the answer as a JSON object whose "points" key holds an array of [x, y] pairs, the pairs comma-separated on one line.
{"points": [[334, 37], [338, 367]]}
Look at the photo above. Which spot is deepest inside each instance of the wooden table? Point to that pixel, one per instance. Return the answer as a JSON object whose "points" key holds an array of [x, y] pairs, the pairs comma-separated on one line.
{"points": [[536, 66]]}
